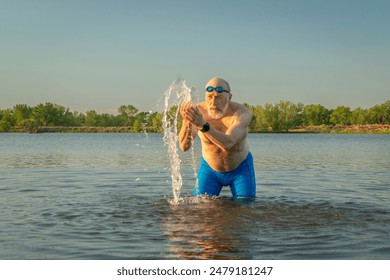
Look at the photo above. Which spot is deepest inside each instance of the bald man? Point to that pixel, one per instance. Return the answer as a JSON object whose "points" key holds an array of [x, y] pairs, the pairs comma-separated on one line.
{"points": [[222, 126]]}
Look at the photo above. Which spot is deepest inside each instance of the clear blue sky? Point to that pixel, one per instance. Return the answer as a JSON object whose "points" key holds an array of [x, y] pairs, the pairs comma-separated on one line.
{"points": [[86, 54]]}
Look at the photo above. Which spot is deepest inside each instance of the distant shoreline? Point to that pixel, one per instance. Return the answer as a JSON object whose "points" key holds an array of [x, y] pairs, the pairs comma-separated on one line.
{"points": [[347, 129], [338, 129], [344, 129]]}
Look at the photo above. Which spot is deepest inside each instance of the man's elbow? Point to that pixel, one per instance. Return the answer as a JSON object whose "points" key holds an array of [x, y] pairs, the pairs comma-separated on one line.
{"points": [[232, 142], [229, 146], [184, 147]]}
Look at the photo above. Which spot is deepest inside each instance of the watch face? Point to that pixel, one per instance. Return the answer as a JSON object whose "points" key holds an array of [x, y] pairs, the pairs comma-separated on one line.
{"points": [[205, 127]]}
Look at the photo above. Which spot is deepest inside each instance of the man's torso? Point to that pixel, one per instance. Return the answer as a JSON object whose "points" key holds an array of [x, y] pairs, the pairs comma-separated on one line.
{"points": [[219, 159]]}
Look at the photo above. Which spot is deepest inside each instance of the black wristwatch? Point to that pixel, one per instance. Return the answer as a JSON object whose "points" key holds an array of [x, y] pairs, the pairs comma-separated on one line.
{"points": [[205, 127]]}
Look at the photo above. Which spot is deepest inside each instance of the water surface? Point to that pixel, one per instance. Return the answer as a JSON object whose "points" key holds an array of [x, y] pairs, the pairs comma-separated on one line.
{"points": [[109, 196]]}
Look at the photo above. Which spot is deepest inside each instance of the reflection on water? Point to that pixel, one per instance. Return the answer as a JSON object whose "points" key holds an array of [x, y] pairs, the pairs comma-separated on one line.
{"points": [[222, 228], [206, 228]]}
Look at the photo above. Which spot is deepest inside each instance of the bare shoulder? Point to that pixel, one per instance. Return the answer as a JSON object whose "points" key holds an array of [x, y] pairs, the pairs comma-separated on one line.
{"points": [[240, 110], [201, 105]]}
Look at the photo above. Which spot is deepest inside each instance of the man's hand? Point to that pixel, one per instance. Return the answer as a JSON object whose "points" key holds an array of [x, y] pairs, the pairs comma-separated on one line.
{"points": [[184, 108], [192, 114], [188, 130]]}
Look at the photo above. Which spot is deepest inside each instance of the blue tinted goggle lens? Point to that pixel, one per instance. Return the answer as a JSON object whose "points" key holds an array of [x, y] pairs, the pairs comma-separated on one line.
{"points": [[217, 89]]}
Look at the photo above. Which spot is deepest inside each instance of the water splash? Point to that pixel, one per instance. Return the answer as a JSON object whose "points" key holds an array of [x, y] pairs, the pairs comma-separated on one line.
{"points": [[177, 93], [145, 123]]}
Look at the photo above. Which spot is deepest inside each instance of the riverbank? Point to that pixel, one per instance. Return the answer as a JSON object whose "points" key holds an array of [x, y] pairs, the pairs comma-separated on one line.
{"points": [[346, 129], [72, 129]]}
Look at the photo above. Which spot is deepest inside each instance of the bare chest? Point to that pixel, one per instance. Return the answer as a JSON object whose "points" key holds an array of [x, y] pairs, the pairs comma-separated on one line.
{"points": [[221, 125]]}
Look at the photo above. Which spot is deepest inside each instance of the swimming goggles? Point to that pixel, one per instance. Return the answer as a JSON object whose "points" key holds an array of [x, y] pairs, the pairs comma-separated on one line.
{"points": [[217, 89]]}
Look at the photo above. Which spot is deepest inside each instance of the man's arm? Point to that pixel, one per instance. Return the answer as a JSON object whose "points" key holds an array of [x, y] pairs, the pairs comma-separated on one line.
{"points": [[233, 135], [186, 135], [188, 131]]}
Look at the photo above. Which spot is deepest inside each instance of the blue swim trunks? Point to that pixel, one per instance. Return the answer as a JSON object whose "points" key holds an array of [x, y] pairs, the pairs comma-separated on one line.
{"points": [[241, 180]]}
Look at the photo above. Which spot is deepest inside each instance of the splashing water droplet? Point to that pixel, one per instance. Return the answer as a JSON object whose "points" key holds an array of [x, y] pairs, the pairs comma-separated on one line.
{"points": [[177, 93]]}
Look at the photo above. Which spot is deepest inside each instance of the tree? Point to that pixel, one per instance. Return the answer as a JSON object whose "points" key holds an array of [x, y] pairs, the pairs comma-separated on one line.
{"points": [[39, 115], [128, 112], [315, 115], [271, 116], [386, 109], [360, 116], [106, 120], [281, 116], [91, 118], [21, 114], [260, 120], [289, 114], [78, 119], [380, 114], [7, 120], [50, 114], [156, 122], [136, 126], [341, 116], [172, 114]]}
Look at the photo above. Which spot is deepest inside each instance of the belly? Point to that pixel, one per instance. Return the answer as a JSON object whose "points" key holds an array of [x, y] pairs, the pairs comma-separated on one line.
{"points": [[224, 161]]}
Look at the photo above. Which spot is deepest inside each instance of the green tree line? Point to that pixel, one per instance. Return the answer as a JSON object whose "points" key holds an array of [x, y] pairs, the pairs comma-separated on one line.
{"points": [[281, 116], [287, 115]]}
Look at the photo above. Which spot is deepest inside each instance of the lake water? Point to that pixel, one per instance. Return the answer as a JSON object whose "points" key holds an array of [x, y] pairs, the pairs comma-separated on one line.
{"points": [[109, 196]]}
